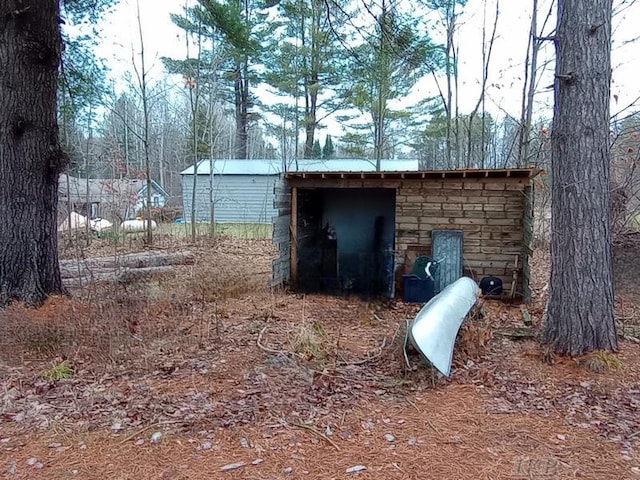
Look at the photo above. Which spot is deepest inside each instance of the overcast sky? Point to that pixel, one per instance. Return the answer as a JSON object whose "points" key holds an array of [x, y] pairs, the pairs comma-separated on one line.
{"points": [[120, 40]]}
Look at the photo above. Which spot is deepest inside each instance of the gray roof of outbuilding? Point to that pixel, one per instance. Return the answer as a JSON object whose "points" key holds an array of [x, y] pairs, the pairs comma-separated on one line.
{"points": [[275, 167], [104, 186]]}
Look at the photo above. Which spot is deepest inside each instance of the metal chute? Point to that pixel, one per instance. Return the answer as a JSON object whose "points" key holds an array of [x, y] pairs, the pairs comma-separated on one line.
{"points": [[434, 329]]}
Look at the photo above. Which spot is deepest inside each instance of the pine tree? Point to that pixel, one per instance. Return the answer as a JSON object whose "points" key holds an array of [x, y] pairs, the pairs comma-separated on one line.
{"points": [[385, 67], [580, 314], [31, 158], [304, 62], [328, 149], [317, 150]]}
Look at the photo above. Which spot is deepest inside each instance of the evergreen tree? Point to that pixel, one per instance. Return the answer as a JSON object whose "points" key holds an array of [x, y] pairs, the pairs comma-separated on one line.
{"points": [[82, 80], [328, 149], [580, 313], [241, 28], [317, 150], [304, 63], [385, 67]]}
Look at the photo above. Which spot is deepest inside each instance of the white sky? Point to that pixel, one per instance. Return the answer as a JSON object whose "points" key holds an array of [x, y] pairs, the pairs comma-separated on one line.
{"points": [[120, 38]]}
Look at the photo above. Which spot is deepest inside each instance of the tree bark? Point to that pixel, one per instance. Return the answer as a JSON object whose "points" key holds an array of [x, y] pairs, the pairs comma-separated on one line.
{"points": [[241, 87], [580, 314], [30, 155]]}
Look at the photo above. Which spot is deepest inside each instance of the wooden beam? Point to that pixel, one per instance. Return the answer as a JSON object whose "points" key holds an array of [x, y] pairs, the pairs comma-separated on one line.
{"points": [[293, 261]]}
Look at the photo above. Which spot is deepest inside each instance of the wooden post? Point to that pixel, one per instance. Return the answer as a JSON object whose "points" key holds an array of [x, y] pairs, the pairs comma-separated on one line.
{"points": [[294, 236], [515, 279]]}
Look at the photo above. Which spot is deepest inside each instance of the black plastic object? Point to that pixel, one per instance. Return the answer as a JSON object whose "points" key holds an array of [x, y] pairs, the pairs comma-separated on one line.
{"points": [[491, 286], [416, 289]]}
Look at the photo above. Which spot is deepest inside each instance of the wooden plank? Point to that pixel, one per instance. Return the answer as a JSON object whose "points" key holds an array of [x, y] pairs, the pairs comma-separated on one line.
{"points": [[281, 236], [281, 228], [293, 260]]}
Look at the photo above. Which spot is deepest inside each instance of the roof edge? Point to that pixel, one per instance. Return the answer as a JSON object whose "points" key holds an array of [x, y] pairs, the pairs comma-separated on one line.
{"points": [[422, 174]]}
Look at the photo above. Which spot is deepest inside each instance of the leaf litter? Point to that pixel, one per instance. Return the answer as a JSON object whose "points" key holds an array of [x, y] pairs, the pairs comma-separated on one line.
{"points": [[501, 410]]}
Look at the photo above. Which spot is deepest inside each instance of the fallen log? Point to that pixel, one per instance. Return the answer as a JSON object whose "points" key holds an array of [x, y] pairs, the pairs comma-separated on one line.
{"points": [[122, 276], [73, 268]]}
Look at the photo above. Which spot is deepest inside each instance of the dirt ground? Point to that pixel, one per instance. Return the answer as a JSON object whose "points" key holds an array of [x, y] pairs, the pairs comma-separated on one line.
{"points": [[210, 374]]}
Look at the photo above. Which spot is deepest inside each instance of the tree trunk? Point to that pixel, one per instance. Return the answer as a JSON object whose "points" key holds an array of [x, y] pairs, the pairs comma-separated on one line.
{"points": [[580, 313], [30, 155], [528, 89], [312, 84], [122, 276], [76, 267], [241, 87], [310, 118], [450, 20]]}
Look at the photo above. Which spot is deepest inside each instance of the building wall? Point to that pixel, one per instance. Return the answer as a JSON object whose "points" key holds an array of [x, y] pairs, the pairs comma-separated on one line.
{"points": [[490, 213], [237, 198]]}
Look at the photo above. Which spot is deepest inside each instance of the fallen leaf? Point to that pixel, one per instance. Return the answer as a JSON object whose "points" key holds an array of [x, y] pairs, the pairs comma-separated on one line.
{"points": [[356, 469], [232, 466]]}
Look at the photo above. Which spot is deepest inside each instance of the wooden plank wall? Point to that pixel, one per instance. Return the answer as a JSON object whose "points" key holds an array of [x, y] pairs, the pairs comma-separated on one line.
{"points": [[281, 271], [489, 211]]}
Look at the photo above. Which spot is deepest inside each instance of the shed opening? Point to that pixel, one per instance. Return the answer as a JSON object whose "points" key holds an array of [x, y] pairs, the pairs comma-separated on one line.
{"points": [[344, 240]]}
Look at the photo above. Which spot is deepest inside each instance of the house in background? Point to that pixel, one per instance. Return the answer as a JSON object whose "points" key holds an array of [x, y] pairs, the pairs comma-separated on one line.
{"points": [[243, 190], [114, 199]]}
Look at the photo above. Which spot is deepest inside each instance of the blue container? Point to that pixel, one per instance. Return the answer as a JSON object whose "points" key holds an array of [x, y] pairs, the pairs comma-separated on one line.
{"points": [[416, 289]]}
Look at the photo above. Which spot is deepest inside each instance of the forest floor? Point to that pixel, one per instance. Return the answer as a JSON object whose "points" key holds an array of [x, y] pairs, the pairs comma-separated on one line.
{"points": [[210, 374]]}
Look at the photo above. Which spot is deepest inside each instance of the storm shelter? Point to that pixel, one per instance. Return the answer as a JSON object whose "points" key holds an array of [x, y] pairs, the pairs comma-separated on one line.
{"points": [[345, 239]]}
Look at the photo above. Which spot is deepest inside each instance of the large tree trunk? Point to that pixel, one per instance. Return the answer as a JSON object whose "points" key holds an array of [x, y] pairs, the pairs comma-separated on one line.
{"points": [[30, 154], [580, 313]]}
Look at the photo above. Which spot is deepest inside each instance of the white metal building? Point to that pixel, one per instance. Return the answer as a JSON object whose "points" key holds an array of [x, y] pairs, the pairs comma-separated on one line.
{"points": [[243, 190]]}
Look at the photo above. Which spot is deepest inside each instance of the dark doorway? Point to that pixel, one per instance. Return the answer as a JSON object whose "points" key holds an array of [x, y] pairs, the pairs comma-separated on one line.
{"points": [[345, 240]]}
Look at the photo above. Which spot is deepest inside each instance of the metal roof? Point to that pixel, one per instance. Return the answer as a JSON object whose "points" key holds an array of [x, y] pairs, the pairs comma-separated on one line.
{"points": [[104, 187], [275, 167], [420, 174]]}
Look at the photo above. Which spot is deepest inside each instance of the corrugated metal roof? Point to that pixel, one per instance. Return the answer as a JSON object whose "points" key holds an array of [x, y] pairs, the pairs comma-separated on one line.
{"points": [[275, 167]]}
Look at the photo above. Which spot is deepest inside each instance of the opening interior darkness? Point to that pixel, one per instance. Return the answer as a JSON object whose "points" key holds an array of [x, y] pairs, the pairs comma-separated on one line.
{"points": [[345, 239]]}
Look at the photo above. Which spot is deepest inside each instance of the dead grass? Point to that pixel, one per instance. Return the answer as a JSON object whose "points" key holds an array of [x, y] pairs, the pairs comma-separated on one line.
{"points": [[112, 324]]}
